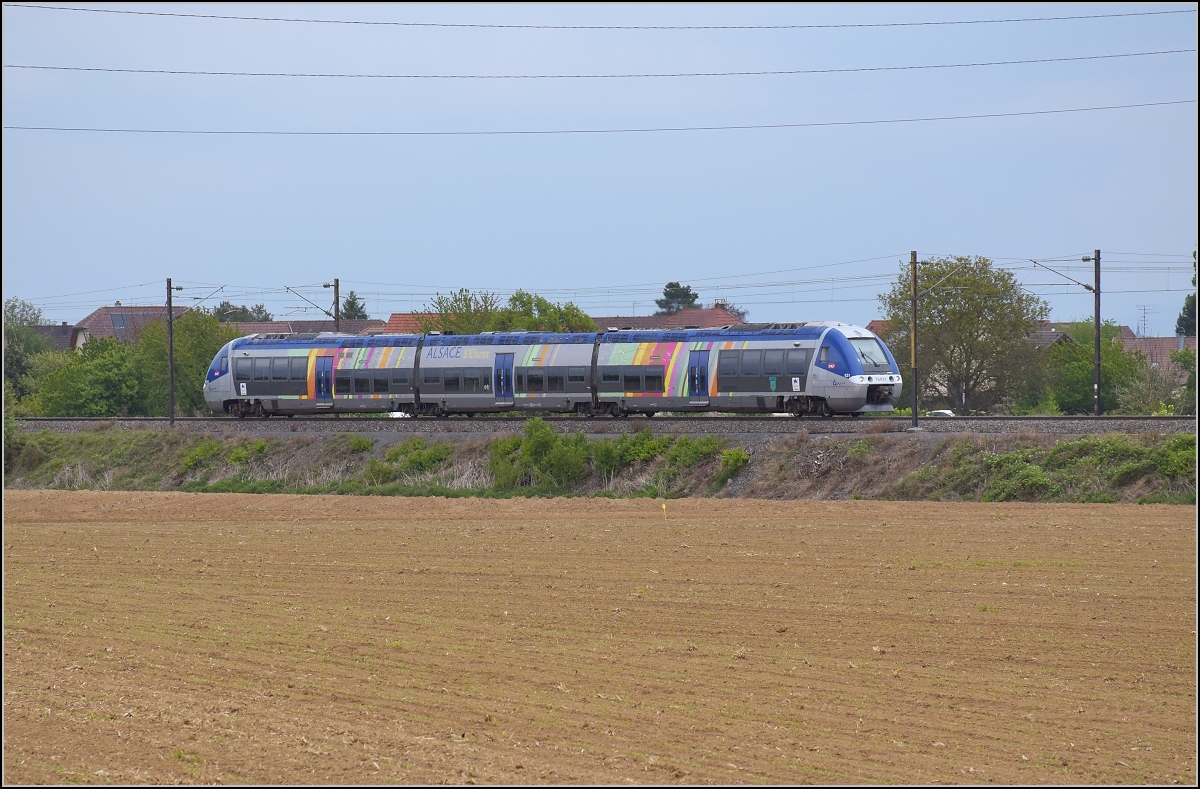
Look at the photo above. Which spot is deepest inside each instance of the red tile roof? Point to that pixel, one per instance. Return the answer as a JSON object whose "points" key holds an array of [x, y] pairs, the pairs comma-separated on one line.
{"points": [[123, 322], [405, 323], [687, 318], [61, 338], [371, 326]]}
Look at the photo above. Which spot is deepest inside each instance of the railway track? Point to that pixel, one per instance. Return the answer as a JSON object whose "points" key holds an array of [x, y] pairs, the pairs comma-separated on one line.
{"points": [[712, 425]]}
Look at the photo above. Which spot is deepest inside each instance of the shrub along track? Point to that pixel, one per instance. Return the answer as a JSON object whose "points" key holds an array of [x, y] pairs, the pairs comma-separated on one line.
{"points": [[167, 637]]}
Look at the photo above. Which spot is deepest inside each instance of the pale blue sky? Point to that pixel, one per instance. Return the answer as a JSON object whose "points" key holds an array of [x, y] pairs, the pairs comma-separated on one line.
{"points": [[768, 218]]}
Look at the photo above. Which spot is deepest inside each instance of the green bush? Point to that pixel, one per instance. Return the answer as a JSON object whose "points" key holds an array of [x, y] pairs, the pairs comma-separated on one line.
{"points": [[687, 452], [504, 463], [416, 456], [641, 446], [199, 454], [860, 450], [732, 461], [239, 455], [606, 458], [379, 472], [360, 444]]}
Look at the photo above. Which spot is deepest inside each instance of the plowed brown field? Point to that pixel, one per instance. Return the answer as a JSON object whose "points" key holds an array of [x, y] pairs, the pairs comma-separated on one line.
{"points": [[160, 638]]}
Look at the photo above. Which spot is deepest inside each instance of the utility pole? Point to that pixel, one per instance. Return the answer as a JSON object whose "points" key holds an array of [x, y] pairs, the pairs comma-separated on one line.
{"points": [[912, 336], [171, 354], [1096, 365], [337, 305]]}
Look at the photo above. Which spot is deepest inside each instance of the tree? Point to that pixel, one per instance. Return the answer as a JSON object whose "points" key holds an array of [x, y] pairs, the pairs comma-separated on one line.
{"points": [[675, 298], [461, 312], [21, 343], [1186, 322], [531, 312], [973, 328], [227, 312], [465, 312], [1185, 399], [1070, 368], [353, 308], [1150, 389], [197, 337], [739, 312], [103, 379]]}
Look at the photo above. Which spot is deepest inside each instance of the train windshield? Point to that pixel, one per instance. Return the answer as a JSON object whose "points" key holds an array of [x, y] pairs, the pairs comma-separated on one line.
{"points": [[870, 352]]}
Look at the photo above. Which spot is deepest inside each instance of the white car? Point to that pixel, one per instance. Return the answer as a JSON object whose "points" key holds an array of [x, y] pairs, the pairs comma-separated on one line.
{"points": [[940, 413]]}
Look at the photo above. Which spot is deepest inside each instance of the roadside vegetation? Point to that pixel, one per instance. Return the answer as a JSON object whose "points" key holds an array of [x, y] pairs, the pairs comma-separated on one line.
{"points": [[542, 462]]}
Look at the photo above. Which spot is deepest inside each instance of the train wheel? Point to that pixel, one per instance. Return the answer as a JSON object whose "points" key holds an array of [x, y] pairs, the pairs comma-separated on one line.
{"points": [[826, 411]]}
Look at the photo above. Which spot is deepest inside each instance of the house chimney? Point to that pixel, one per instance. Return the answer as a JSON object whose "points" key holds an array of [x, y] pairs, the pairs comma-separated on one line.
{"points": [[65, 323], [1179, 338], [118, 304]]}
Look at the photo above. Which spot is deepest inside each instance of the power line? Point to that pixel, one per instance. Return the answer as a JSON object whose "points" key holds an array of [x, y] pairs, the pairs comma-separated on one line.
{"points": [[732, 127], [855, 70], [606, 27]]}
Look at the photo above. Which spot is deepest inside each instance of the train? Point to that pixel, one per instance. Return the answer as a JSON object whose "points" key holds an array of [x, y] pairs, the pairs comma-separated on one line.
{"points": [[822, 368]]}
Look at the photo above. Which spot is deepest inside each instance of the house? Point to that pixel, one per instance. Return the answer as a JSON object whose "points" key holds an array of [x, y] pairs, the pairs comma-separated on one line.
{"points": [[1157, 351], [360, 327], [405, 322], [687, 318], [121, 322], [62, 338]]}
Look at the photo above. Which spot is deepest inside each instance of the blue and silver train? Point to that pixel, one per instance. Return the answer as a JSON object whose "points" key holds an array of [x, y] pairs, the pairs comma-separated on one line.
{"points": [[822, 368]]}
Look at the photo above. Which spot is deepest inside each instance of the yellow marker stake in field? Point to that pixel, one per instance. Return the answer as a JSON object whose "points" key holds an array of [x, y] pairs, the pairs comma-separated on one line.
{"points": [[664, 512]]}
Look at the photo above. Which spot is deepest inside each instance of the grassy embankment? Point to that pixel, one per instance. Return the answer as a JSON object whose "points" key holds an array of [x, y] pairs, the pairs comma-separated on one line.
{"points": [[540, 462]]}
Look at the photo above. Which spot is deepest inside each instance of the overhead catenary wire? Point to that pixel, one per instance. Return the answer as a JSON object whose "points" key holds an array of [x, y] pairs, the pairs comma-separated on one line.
{"points": [[776, 72], [844, 25], [644, 130]]}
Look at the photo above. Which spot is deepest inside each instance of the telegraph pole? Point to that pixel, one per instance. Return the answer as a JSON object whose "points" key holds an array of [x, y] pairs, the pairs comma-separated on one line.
{"points": [[337, 306], [1096, 365], [171, 354], [912, 336]]}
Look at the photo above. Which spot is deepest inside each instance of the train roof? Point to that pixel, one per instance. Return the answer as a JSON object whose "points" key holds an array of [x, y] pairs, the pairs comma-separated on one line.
{"points": [[808, 330]]}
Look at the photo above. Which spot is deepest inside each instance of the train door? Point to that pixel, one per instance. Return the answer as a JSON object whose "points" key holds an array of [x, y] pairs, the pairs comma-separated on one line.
{"points": [[324, 382], [698, 378], [503, 379]]}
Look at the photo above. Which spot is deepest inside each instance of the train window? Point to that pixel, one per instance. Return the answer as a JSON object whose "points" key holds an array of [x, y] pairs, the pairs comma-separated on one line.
{"points": [[299, 365], [728, 363], [262, 369], [224, 363], [400, 377], [773, 362], [341, 384], [633, 382], [520, 382], [380, 383], [610, 380], [556, 381], [797, 361], [577, 375], [241, 369], [824, 357], [751, 362], [362, 383], [279, 369], [432, 377], [452, 379], [473, 379], [536, 381], [654, 380]]}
